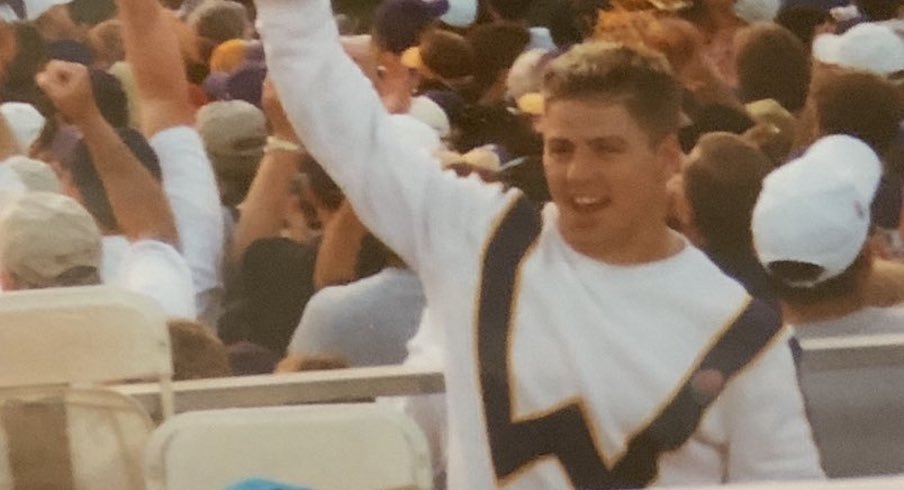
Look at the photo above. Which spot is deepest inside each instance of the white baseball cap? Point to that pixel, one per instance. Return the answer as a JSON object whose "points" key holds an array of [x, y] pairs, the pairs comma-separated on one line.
{"points": [[816, 209], [866, 46]]}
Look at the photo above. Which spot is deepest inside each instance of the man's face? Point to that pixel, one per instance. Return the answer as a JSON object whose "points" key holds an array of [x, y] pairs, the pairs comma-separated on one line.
{"points": [[605, 175]]}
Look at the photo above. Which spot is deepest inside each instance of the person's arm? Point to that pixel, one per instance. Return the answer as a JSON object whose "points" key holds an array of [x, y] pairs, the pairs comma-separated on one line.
{"points": [[263, 209], [135, 196], [167, 116], [337, 257], [769, 436], [397, 189], [152, 50]]}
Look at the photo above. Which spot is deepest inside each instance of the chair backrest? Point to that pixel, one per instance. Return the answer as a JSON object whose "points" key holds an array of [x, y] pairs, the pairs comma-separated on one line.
{"points": [[325, 447], [885, 483], [74, 439], [854, 389], [84, 335]]}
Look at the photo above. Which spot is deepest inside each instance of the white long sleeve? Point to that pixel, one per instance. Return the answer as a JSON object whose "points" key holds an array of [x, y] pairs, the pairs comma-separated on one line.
{"points": [[395, 188], [191, 189]]}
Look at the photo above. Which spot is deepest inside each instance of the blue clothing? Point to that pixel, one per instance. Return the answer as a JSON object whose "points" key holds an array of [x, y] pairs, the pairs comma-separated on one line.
{"points": [[367, 323]]}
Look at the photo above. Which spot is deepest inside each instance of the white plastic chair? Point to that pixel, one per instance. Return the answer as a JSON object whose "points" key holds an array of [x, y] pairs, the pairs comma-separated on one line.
{"points": [[324, 447], [83, 439], [84, 336], [59, 426]]}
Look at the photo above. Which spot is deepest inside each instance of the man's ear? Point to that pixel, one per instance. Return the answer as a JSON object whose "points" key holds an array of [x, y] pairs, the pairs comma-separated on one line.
{"points": [[670, 155]]}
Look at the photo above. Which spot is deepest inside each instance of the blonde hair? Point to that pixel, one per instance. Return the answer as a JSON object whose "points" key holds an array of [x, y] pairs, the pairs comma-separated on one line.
{"points": [[635, 76]]}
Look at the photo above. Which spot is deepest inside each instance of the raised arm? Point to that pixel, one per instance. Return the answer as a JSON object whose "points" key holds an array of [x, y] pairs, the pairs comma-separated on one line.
{"points": [[135, 196], [396, 188], [264, 207], [337, 257], [152, 50]]}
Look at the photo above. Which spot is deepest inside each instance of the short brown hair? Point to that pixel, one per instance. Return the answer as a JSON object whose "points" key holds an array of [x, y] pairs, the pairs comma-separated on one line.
{"points": [[765, 50], [722, 187], [859, 104], [197, 353], [637, 77]]}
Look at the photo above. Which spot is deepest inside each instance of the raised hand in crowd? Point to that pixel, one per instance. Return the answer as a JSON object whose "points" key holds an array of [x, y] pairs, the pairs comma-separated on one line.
{"points": [[154, 53], [264, 208], [137, 200]]}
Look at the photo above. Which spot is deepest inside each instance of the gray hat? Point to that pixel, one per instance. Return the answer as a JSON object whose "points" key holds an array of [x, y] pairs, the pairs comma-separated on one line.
{"points": [[35, 174], [43, 235], [234, 134]]}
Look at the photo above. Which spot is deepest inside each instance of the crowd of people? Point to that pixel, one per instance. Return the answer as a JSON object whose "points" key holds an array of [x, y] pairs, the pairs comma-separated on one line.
{"points": [[609, 223]]}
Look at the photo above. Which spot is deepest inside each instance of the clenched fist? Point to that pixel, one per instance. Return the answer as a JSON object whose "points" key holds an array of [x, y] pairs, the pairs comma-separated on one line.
{"points": [[69, 87]]}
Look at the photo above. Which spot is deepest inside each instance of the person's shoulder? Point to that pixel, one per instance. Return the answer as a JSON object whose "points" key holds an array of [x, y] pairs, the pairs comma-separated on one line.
{"points": [[176, 137], [161, 253]]}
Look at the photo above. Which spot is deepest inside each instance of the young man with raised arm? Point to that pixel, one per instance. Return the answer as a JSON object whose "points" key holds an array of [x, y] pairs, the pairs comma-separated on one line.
{"points": [[587, 345], [167, 121]]}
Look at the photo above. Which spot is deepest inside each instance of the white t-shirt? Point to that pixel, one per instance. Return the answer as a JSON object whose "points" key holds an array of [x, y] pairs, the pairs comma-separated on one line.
{"points": [[152, 268], [618, 340], [191, 188]]}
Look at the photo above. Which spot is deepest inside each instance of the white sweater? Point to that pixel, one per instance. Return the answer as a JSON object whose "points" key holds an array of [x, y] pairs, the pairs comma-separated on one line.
{"points": [[620, 339]]}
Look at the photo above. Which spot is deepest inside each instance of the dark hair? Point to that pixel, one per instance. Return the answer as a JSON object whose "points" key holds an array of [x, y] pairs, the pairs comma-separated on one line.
{"points": [[90, 187], [565, 26], [71, 51], [722, 187], [447, 54], [83, 275], [91, 11], [496, 47], [322, 186], [859, 104], [639, 78], [373, 256], [713, 118], [764, 51], [398, 24], [878, 10], [513, 10], [834, 288], [111, 98], [481, 125], [29, 60], [802, 21]]}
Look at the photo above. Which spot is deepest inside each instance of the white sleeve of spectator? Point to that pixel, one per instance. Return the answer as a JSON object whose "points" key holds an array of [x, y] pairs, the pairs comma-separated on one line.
{"points": [[191, 189], [156, 269], [398, 190], [315, 332], [767, 422]]}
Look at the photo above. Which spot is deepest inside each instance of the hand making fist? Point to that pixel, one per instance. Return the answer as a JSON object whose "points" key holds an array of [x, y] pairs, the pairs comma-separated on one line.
{"points": [[69, 87]]}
